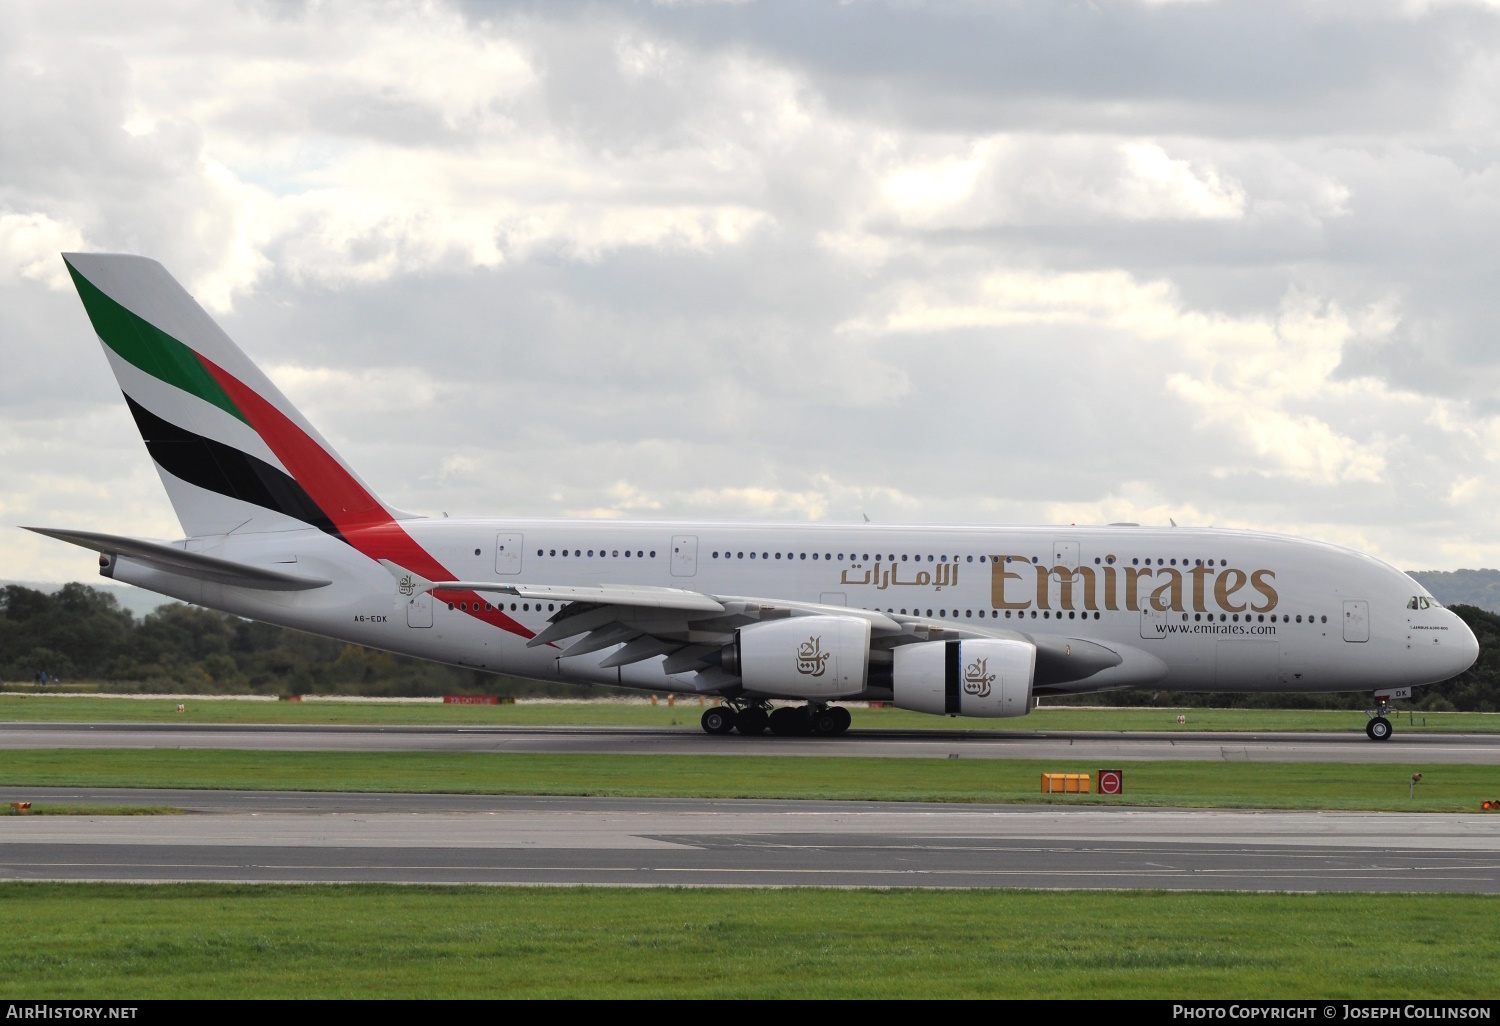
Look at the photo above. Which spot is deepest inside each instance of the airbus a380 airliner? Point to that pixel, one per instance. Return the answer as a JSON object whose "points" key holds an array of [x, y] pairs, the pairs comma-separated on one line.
{"points": [[965, 621]]}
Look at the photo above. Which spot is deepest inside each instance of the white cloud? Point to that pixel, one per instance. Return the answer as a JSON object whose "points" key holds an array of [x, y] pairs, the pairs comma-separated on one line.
{"points": [[673, 265], [1039, 179], [30, 245]]}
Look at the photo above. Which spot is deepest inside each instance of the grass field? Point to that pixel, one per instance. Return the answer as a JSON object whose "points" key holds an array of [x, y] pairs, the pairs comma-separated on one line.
{"points": [[46, 809], [1187, 784], [51, 708], [182, 941]]}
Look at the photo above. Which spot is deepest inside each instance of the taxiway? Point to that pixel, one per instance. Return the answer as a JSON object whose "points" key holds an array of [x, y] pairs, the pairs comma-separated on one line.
{"points": [[449, 839], [1483, 749]]}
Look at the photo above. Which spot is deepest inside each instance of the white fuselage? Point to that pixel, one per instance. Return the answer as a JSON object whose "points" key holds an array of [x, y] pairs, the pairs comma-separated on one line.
{"points": [[1217, 610]]}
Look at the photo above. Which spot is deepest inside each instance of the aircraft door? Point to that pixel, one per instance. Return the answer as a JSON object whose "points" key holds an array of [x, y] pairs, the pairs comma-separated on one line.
{"points": [[1064, 554], [1153, 621], [684, 555], [508, 553], [1356, 620], [419, 610]]}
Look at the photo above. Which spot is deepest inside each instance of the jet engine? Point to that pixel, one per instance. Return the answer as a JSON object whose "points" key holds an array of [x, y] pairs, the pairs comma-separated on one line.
{"points": [[966, 678], [814, 657]]}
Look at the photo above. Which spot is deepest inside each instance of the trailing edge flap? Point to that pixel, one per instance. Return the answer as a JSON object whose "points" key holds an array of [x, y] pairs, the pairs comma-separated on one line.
{"points": [[602, 594], [172, 560]]}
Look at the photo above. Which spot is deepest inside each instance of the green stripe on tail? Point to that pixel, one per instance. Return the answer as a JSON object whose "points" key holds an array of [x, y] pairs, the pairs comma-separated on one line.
{"points": [[149, 348]]}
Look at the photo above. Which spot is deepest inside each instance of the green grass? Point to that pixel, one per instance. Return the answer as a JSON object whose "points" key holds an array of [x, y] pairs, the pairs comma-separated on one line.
{"points": [[106, 941], [51, 708], [1267, 785], [44, 809]]}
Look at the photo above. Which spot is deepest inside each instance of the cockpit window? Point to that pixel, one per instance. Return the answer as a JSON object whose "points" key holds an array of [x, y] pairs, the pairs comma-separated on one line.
{"points": [[1423, 602], [1411, 603]]}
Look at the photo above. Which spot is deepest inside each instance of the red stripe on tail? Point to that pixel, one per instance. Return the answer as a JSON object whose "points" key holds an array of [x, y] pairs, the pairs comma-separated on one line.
{"points": [[358, 515]]}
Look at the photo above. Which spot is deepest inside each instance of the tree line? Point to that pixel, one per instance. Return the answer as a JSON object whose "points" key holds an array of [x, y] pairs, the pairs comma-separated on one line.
{"points": [[79, 634]]}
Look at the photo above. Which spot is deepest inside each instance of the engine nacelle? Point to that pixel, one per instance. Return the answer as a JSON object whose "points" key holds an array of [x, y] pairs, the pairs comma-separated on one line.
{"points": [[966, 678], [817, 657]]}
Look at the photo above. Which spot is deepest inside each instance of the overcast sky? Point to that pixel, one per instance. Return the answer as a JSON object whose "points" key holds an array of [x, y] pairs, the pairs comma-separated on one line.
{"points": [[1230, 263]]}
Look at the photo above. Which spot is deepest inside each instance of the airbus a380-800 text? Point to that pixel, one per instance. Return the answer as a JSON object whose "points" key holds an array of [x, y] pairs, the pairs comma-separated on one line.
{"points": [[949, 620]]}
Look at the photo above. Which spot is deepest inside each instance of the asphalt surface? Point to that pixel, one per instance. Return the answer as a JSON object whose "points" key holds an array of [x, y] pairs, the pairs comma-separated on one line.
{"points": [[1482, 749], [278, 836]]}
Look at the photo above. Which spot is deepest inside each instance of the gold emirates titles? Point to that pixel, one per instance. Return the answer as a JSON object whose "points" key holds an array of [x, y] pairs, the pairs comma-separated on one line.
{"points": [[1164, 588]]}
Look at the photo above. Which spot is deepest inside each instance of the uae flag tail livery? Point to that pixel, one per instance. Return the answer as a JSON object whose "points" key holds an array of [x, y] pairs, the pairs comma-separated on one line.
{"points": [[233, 453], [245, 471]]}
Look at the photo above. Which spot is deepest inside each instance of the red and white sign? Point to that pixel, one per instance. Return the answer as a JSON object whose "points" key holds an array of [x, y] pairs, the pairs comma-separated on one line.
{"points": [[471, 699], [1111, 781]]}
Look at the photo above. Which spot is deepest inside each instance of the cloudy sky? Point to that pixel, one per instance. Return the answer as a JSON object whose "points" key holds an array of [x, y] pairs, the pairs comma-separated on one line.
{"points": [[1230, 263]]}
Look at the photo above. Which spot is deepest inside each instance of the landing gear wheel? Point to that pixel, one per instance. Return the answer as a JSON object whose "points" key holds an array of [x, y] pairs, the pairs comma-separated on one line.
{"points": [[790, 721], [843, 717], [752, 721], [718, 720], [1379, 729], [825, 722]]}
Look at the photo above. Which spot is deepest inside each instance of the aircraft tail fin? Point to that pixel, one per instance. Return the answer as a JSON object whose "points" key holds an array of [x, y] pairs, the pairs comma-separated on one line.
{"points": [[234, 454]]}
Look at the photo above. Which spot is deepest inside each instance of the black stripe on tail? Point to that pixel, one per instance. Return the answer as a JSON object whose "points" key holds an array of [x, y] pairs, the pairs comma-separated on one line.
{"points": [[224, 469]]}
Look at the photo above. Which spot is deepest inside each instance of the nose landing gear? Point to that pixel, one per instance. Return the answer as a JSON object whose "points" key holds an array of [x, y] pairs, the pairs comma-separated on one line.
{"points": [[1379, 728]]}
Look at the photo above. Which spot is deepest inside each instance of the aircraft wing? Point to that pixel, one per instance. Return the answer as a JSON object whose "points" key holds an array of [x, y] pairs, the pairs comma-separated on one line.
{"points": [[690, 627], [635, 596], [689, 638], [172, 560]]}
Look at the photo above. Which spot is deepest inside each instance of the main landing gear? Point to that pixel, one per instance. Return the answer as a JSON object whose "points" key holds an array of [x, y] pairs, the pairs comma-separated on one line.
{"points": [[1379, 728], [786, 721]]}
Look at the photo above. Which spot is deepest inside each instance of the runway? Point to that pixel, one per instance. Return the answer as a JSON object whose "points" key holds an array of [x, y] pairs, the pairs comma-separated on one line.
{"points": [[340, 837], [1479, 749]]}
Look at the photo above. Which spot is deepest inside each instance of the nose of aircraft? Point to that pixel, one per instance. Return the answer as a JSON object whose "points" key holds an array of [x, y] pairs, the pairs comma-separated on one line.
{"points": [[1460, 655]]}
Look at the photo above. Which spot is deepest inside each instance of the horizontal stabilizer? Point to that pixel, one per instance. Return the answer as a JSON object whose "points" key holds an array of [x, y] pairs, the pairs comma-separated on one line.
{"points": [[172, 560]]}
